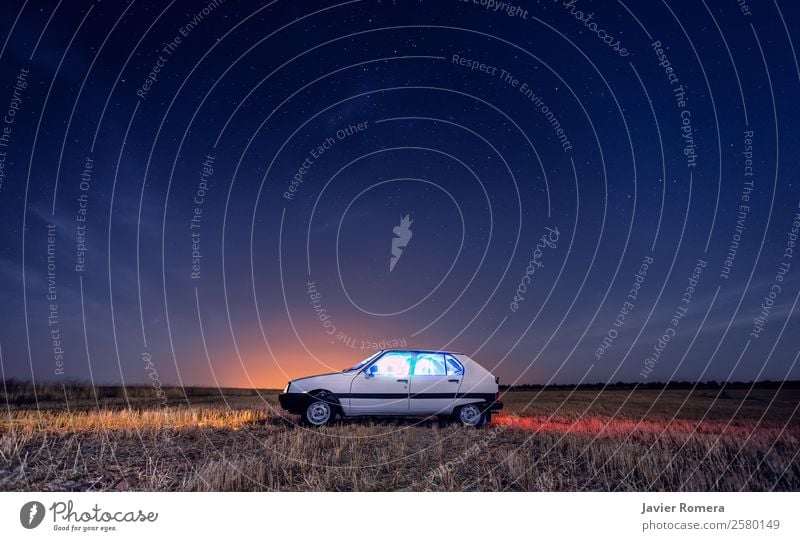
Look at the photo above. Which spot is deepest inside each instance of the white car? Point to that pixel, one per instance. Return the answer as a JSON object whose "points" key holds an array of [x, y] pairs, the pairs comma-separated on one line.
{"points": [[398, 383]]}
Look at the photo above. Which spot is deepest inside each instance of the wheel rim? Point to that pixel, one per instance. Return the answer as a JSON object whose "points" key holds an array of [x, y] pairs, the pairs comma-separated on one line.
{"points": [[318, 413], [470, 415]]}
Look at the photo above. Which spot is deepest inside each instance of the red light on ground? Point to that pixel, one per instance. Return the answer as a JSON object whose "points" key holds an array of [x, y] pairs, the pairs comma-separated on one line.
{"points": [[609, 427]]}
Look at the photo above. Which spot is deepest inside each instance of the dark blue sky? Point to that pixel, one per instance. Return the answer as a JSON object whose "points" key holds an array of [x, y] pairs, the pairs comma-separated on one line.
{"points": [[208, 192]]}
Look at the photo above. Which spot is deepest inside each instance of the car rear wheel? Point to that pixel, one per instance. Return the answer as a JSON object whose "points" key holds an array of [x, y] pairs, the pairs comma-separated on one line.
{"points": [[471, 415], [318, 412]]}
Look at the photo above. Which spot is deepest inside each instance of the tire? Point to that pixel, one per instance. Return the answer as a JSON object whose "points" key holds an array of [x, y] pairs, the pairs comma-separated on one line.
{"points": [[319, 411], [471, 415]]}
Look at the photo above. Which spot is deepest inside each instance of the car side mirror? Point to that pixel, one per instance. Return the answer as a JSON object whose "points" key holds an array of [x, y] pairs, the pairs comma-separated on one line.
{"points": [[368, 374]]}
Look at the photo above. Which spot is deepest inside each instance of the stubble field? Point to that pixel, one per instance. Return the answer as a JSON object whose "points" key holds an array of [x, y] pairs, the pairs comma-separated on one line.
{"points": [[84, 439]]}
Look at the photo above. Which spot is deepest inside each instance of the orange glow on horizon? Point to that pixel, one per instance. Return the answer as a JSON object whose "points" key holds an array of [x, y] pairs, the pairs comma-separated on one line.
{"points": [[262, 372]]}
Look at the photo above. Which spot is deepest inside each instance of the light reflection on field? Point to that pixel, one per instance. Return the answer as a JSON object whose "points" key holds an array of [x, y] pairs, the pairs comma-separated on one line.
{"points": [[618, 427]]}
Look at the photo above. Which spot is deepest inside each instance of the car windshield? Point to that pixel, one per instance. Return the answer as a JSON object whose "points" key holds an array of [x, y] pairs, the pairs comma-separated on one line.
{"points": [[361, 364]]}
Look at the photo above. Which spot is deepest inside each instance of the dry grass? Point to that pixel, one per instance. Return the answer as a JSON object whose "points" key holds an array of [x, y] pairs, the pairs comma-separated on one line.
{"points": [[555, 440]]}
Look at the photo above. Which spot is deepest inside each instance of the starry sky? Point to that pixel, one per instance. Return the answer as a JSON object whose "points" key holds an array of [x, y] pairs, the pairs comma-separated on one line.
{"points": [[239, 193]]}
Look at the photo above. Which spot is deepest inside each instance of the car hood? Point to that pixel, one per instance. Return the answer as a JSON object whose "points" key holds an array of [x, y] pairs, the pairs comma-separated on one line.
{"points": [[316, 376], [334, 382]]}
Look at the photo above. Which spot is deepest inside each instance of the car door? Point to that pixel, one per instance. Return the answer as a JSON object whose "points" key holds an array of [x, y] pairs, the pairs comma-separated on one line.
{"points": [[432, 388], [381, 388]]}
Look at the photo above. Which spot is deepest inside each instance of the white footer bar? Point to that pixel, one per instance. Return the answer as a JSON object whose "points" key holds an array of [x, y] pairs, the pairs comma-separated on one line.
{"points": [[370, 516]]}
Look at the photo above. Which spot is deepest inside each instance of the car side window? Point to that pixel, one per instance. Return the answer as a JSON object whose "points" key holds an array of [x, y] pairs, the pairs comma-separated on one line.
{"points": [[429, 364], [394, 363], [454, 367]]}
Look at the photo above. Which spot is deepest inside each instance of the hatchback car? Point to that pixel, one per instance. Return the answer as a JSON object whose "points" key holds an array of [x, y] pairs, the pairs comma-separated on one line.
{"points": [[398, 383]]}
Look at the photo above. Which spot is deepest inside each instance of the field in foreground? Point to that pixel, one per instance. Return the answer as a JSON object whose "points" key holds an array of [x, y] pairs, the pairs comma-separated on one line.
{"points": [[549, 440]]}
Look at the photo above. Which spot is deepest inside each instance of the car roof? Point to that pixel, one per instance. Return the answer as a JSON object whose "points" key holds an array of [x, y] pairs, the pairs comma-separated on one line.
{"points": [[414, 350]]}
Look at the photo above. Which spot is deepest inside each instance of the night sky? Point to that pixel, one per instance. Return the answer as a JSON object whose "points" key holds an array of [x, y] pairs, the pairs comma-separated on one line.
{"points": [[241, 193]]}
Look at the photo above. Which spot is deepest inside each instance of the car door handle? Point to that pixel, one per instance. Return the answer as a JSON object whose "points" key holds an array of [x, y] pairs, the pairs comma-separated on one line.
{"points": [[453, 380], [402, 381]]}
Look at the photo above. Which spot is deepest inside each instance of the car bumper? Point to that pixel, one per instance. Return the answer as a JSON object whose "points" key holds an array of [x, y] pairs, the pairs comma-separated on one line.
{"points": [[495, 406], [292, 402]]}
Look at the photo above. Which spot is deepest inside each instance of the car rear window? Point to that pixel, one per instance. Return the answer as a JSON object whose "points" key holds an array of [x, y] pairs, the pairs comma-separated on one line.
{"points": [[454, 368]]}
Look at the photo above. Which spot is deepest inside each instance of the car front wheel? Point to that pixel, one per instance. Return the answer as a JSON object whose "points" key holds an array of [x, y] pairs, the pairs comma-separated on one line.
{"points": [[471, 415], [318, 412]]}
